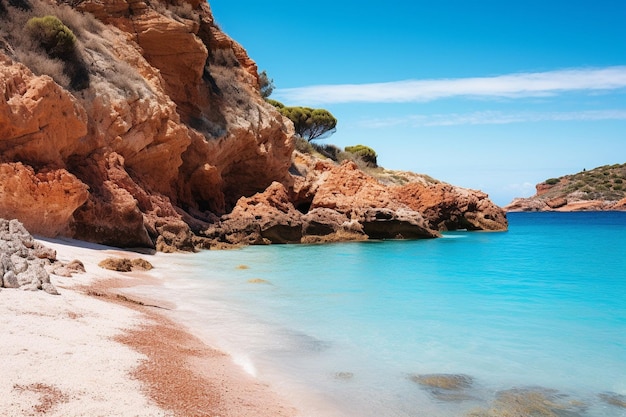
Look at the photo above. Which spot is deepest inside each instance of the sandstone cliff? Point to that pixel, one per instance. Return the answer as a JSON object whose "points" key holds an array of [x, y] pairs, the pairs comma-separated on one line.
{"points": [[155, 135], [599, 189]]}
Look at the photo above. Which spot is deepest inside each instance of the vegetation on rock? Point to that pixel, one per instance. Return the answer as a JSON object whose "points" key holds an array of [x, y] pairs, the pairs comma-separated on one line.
{"points": [[602, 183], [57, 39], [367, 154], [309, 123], [601, 188], [38, 37]]}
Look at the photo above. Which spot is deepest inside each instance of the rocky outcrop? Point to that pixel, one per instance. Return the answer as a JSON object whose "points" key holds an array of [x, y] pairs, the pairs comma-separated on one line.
{"points": [[325, 202], [350, 192], [125, 264], [358, 196], [447, 207], [600, 189], [23, 261], [572, 202], [264, 218]]}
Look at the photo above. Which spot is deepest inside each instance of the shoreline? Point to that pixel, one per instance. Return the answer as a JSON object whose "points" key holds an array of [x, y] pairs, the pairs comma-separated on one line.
{"points": [[92, 350]]}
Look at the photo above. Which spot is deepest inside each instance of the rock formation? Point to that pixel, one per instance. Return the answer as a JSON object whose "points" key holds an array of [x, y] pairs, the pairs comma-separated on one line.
{"points": [[23, 261], [169, 145], [447, 207], [332, 202]]}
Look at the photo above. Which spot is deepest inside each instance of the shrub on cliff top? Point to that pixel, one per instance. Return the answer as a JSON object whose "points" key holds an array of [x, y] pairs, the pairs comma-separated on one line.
{"points": [[275, 103], [309, 123]]}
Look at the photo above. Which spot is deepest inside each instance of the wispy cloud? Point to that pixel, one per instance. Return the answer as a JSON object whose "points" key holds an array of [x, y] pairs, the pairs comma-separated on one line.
{"points": [[537, 84], [492, 117]]}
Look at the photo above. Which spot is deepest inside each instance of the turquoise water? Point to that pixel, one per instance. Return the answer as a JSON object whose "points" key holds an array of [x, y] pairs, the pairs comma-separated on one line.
{"points": [[342, 328]]}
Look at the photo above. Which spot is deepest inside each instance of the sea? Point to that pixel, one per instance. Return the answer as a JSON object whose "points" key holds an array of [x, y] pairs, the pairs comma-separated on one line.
{"points": [[527, 322]]}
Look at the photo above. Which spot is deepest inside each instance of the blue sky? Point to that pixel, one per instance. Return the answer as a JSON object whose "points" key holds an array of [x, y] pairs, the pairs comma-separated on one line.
{"points": [[490, 95]]}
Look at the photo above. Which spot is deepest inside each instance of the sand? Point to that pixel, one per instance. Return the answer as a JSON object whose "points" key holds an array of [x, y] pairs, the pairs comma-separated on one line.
{"points": [[91, 351]]}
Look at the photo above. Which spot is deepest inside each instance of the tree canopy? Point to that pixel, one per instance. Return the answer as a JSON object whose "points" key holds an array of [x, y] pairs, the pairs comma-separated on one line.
{"points": [[309, 124]]}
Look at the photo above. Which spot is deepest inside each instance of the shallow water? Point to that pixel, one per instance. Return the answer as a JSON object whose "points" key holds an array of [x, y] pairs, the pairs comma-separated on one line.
{"points": [[345, 329]]}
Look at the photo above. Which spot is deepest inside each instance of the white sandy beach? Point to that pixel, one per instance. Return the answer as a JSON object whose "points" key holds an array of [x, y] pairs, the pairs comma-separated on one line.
{"points": [[86, 352]]}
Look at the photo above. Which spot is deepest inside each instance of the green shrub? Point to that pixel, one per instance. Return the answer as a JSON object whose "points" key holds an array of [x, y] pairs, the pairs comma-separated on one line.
{"points": [[57, 39], [365, 153], [553, 181], [59, 42], [275, 103]]}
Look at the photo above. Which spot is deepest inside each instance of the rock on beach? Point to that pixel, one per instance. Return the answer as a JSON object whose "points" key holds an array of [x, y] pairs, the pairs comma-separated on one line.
{"points": [[23, 260]]}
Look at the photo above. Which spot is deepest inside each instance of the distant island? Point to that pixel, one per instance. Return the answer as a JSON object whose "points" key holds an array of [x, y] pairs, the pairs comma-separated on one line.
{"points": [[600, 189]]}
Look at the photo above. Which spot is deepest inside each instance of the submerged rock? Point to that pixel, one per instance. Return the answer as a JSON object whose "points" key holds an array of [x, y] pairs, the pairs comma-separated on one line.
{"points": [[444, 381], [258, 281], [614, 399], [446, 387], [344, 376], [531, 402]]}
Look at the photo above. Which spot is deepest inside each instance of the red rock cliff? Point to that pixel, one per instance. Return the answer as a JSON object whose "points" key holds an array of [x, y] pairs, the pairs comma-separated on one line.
{"points": [[170, 124], [165, 133]]}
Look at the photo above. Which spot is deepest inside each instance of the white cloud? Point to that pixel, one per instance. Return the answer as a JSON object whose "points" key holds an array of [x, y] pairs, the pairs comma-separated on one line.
{"points": [[538, 84], [525, 189], [493, 117]]}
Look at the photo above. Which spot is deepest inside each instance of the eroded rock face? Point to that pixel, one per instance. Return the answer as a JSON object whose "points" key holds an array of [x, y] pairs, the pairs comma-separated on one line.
{"points": [[447, 207], [23, 261], [44, 201], [332, 202], [361, 202], [264, 218], [171, 130], [40, 122]]}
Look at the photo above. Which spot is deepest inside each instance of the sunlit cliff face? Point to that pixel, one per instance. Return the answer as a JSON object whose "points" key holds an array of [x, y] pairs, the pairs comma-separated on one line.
{"points": [[157, 130]]}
